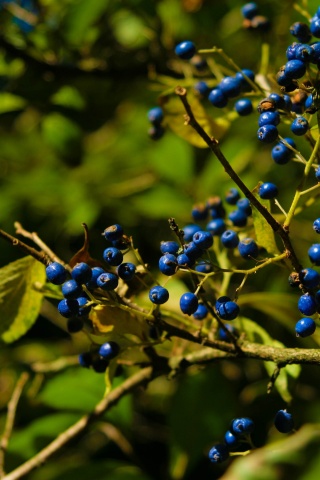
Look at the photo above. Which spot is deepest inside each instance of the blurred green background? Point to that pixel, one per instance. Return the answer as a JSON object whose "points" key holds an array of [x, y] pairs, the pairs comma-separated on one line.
{"points": [[74, 148]]}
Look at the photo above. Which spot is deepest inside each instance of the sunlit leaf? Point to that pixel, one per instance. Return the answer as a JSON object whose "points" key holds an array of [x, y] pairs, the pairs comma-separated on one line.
{"points": [[264, 233], [81, 15], [70, 97], [174, 117], [19, 302], [11, 103]]}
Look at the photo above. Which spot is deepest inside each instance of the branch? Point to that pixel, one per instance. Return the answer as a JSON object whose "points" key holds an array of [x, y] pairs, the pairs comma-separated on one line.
{"points": [[40, 256], [140, 378], [12, 408], [213, 144]]}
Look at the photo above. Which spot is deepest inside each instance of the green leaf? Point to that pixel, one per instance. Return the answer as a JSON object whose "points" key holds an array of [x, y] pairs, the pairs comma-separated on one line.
{"points": [[264, 233], [81, 16], [70, 97], [129, 29], [101, 470], [61, 133], [174, 117], [19, 302], [11, 103]]}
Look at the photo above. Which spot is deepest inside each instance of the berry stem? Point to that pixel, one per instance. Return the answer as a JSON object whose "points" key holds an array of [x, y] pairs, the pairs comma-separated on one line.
{"points": [[213, 144]]}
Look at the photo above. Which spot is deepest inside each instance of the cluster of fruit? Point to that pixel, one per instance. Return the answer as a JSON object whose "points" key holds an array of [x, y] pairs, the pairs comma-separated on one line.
{"points": [[238, 437]]}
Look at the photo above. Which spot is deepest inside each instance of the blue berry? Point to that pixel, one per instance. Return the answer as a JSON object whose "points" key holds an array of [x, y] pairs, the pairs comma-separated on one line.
{"points": [[184, 261], [189, 230], [305, 327], [81, 272], [68, 307], [250, 10], [245, 85], [223, 334], [201, 312], [230, 86], [232, 196], [291, 51], [56, 273], [109, 350], [242, 426], [268, 191], [156, 132], [126, 271], [199, 212], [248, 248], [304, 53], [230, 239], [301, 31], [216, 208], [314, 253], [203, 267], [185, 50], [199, 63], [192, 251], [107, 281], [281, 154], [267, 133], [243, 107], [309, 102], [299, 126], [112, 256], [244, 204], [283, 421], [317, 174], [230, 439], [228, 310], [269, 118], [315, 27], [168, 264], [221, 300], [85, 359], [99, 364], [295, 68], [316, 225], [218, 98], [71, 289], [155, 115], [218, 453], [307, 304], [202, 88], [309, 278], [114, 232], [216, 226], [189, 303], [203, 239], [84, 309], [278, 100], [169, 246], [158, 295], [75, 324], [95, 273], [238, 218]]}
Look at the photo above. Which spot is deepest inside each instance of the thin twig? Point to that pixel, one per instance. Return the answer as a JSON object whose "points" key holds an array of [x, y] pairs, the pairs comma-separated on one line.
{"points": [[138, 379], [40, 256], [12, 408], [213, 144]]}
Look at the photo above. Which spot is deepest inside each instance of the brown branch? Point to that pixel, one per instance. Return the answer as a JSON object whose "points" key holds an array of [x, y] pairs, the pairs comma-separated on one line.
{"points": [[12, 408], [140, 378], [213, 144], [40, 256]]}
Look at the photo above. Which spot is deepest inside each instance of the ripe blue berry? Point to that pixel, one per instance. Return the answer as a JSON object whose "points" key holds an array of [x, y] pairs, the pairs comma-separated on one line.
{"points": [[75, 324], [278, 100], [184, 261], [216, 226], [250, 10], [283, 421], [216, 208], [109, 350], [126, 271], [56, 273], [218, 453], [168, 264], [199, 212], [314, 253], [95, 273], [317, 174], [217, 98], [309, 278], [232, 196], [185, 50], [201, 312], [301, 31], [243, 107], [228, 310], [68, 307], [238, 218], [156, 132], [99, 364], [223, 334], [107, 281], [248, 248], [244, 204], [189, 303], [202, 88], [268, 191], [315, 27], [81, 272], [203, 267], [245, 85], [307, 304], [230, 239], [242, 426], [316, 225], [155, 115], [299, 126], [85, 359], [192, 251], [203, 239], [112, 256], [295, 68], [169, 246], [304, 53], [281, 154], [71, 289], [267, 133], [230, 86], [114, 232], [84, 310], [158, 295], [189, 230], [230, 439], [269, 118], [221, 300], [305, 327]]}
